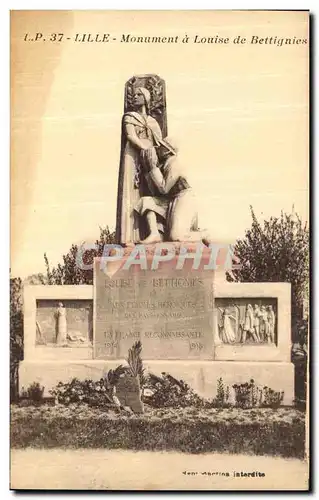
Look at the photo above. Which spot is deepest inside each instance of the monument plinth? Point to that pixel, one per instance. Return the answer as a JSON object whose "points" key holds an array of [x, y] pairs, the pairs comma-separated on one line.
{"points": [[170, 310]]}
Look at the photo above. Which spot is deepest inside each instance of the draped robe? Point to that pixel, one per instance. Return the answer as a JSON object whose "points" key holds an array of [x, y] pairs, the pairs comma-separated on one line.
{"points": [[132, 185]]}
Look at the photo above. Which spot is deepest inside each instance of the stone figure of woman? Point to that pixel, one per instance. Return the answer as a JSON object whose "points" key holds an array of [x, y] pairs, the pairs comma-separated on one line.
{"points": [[228, 335], [61, 325], [140, 133]]}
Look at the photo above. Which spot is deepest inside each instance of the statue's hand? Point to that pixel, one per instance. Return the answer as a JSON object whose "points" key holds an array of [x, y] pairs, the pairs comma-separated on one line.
{"points": [[149, 159]]}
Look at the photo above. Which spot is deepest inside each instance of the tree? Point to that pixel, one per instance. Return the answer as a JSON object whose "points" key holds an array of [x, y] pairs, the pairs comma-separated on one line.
{"points": [[64, 274], [69, 273], [277, 250], [16, 334]]}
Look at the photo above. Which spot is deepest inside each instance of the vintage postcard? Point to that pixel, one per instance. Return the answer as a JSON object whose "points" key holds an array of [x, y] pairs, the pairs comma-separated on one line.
{"points": [[159, 250]]}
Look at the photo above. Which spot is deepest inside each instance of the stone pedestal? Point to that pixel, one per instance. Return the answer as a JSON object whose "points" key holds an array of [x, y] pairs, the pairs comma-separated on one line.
{"points": [[189, 319], [167, 305]]}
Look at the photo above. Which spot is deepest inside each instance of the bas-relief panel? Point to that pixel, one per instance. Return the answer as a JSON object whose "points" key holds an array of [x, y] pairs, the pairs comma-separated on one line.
{"points": [[67, 323], [247, 320]]}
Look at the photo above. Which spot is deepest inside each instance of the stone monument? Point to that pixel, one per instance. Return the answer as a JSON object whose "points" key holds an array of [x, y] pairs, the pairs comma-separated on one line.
{"points": [[163, 285]]}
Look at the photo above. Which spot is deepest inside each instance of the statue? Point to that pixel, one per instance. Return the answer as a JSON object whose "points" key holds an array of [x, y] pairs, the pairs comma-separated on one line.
{"points": [[172, 201], [144, 97], [155, 201]]}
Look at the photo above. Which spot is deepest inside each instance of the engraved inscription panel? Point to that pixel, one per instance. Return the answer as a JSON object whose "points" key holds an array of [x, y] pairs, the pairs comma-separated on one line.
{"points": [[169, 310]]}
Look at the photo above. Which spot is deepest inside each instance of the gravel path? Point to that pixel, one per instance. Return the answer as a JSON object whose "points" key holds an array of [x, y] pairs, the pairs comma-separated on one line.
{"points": [[121, 469]]}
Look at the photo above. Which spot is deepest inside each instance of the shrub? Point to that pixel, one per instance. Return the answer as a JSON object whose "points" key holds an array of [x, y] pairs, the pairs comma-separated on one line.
{"points": [[276, 250], [271, 398], [167, 391], [34, 392], [222, 399], [247, 395]]}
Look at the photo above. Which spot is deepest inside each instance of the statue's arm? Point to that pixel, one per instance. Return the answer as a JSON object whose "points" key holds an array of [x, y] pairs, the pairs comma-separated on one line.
{"points": [[164, 185], [133, 138]]}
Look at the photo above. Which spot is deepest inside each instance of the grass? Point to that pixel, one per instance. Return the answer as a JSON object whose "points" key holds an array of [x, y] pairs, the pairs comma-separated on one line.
{"points": [[258, 431]]}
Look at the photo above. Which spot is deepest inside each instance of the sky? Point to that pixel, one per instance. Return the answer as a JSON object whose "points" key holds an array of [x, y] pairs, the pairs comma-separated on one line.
{"points": [[238, 113]]}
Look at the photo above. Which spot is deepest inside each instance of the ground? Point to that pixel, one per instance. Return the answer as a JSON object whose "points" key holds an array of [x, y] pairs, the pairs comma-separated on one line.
{"points": [[122, 469]]}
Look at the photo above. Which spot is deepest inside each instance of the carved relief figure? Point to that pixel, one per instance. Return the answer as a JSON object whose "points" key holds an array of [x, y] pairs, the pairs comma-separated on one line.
{"points": [[263, 324], [61, 325], [242, 323], [272, 322], [39, 334], [227, 332], [249, 325], [257, 322], [65, 337]]}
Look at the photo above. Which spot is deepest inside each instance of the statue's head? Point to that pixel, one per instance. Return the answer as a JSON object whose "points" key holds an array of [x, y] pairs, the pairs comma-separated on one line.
{"points": [[142, 97], [60, 304]]}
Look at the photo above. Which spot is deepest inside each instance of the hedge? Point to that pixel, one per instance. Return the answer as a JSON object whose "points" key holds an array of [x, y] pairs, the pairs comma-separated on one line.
{"points": [[261, 432]]}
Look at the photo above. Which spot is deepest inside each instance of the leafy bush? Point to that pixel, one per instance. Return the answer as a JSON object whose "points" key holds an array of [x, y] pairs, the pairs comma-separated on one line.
{"points": [[34, 392], [276, 250], [271, 398], [69, 272], [247, 395], [222, 399], [167, 391]]}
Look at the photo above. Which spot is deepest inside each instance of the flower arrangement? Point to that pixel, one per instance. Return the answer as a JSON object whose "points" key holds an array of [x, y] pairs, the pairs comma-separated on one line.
{"points": [[94, 393]]}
